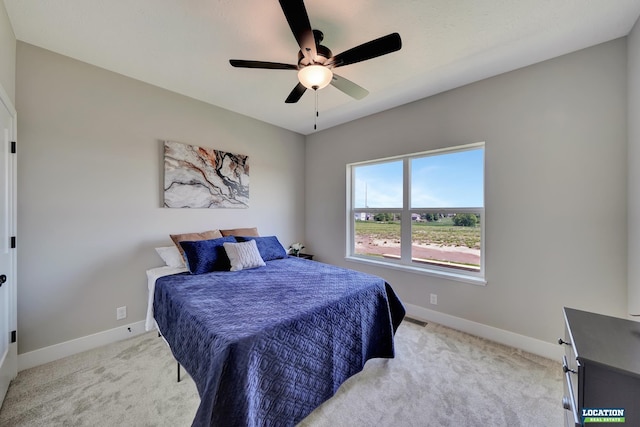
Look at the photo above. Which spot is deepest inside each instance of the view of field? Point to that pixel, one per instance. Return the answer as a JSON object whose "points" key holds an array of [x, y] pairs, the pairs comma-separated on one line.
{"points": [[438, 242]]}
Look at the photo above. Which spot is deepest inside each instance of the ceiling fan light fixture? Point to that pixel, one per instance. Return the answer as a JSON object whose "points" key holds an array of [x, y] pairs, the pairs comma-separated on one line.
{"points": [[315, 76]]}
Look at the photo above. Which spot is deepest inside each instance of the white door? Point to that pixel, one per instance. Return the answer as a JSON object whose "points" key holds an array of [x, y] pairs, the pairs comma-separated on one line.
{"points": [[8, 301]]}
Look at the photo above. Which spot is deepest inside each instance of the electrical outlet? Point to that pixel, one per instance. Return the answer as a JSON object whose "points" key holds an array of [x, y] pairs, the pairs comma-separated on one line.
{"points": [[121, 312], [434, 299]]}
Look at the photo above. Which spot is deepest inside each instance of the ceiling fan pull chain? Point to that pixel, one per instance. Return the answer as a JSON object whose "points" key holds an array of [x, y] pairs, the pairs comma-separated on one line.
{"points": [[315, 119]]}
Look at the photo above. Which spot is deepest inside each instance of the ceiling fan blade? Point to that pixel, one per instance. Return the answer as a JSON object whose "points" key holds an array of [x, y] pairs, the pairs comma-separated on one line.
{"points": [[373, 49], [241, 63], [296, 94], [298, 19], [348, 87]]}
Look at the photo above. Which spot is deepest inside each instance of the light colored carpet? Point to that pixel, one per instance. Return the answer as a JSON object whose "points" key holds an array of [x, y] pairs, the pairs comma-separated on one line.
{"points": [[439, 377]]}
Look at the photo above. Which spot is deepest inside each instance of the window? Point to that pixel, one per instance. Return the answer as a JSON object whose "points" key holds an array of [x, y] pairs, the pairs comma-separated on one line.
{"points": [[423, 212]]}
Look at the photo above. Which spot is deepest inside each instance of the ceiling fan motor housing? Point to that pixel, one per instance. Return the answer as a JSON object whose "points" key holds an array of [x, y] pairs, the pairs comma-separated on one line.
{"points": [[323, 52]]}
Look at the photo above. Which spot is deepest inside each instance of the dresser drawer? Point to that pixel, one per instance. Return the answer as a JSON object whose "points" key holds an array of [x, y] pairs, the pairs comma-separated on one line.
{"points": [[571, 369], [569, 400]]}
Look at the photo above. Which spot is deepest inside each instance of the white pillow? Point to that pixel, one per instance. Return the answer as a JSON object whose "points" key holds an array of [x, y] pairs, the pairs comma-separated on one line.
{"points": [[243, 255], [171, 256]]}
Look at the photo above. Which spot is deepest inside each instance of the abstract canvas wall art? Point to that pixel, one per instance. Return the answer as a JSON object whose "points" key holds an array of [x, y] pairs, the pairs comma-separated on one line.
{"points": [[197, 177]]}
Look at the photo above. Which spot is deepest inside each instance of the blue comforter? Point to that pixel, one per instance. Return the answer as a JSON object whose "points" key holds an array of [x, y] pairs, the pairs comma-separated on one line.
{"points": [[266, 346]]}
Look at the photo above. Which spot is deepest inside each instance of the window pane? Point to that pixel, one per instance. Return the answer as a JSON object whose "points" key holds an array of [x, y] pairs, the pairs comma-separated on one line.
{"points": [[450, 240], [453, 180], [377, 235], [378, 185], [444, 213]]}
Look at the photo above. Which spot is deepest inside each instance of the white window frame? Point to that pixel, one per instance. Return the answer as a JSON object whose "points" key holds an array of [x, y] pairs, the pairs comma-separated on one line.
{"points": [[405, 262]]}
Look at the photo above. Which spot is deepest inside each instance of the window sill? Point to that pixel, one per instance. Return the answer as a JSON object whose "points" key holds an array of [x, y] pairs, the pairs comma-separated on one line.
{"points": [[459, 277]]}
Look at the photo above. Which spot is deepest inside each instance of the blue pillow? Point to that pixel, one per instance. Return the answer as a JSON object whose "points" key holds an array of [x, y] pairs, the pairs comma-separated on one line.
{"points": [[205, 256], [268, 246]]}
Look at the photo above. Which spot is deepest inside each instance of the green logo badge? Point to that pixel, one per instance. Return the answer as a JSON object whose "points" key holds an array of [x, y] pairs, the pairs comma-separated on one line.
{"points": [[602, 415]]}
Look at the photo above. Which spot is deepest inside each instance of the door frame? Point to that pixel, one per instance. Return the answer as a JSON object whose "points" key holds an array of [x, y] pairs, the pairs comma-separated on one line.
{"points": [[11, 360]]}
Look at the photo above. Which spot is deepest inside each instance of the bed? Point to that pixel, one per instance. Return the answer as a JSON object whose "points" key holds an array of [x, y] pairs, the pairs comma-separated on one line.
{"points": [[266, 346]]}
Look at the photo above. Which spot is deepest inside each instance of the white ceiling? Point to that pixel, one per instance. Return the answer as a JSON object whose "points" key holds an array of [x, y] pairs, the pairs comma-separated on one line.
{"points": [[184, 45]]}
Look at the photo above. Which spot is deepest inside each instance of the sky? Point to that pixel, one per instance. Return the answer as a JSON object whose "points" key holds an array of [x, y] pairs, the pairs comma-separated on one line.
{"points": [[449, 180]]}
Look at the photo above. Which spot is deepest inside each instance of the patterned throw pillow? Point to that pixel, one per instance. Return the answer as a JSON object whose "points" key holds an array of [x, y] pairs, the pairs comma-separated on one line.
{"points": [[243, 255]]}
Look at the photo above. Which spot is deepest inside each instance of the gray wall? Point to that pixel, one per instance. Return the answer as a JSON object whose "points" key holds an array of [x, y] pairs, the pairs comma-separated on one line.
{"points": [[634, 169], [7, 55], [556, 179], [89, 185]]}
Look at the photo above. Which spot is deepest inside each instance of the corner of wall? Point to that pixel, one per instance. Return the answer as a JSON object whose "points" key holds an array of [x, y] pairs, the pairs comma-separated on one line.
{"points": [[7, 55], [633, 173]]}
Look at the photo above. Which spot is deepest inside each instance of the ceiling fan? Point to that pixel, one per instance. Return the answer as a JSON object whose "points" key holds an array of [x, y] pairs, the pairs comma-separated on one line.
{"points": [[315, 61]]}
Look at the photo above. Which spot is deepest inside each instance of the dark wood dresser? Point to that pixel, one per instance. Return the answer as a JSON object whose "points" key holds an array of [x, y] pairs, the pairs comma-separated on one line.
{"points": [[601, 365]]}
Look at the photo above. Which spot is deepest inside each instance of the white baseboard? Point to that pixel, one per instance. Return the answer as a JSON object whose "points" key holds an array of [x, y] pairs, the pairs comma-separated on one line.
{"points": [[78, 345], [531, 345]]}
